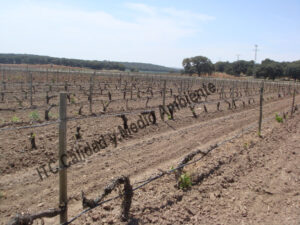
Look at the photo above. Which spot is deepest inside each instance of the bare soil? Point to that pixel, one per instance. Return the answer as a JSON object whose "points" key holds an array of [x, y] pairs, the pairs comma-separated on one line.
{"points": [[250, 180]]}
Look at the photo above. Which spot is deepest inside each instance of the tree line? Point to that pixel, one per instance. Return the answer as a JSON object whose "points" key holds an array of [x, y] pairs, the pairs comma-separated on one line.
{"points": [[36, 59], [91, 64], [148, 67], [268, 68]]}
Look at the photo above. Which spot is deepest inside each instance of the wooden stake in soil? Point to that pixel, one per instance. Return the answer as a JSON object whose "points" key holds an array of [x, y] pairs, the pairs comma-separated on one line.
{"points": [[30, 89], [66, 85], [56, 76], [180, 88], [91, 93], [3, 82], [47, 76], [164, 93], [293, 104], [63, 197], [260, 108]]}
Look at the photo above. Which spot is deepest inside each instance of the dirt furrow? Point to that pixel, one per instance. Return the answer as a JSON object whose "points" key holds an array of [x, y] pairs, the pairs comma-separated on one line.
{"points": [[137, 158]]}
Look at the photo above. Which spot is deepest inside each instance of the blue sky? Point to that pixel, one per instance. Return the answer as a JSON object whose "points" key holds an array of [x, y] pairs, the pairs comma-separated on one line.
{"points": [[154, 31]]}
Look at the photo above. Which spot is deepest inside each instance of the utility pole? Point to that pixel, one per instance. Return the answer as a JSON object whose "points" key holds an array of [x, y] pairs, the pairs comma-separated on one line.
{"points": [[255, 56], [255, 50]]}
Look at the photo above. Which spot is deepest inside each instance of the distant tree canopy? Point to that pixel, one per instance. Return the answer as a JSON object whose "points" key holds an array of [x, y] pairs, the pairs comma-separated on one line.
{"points": [[198, 64], [36, 59], [187, 66], [92, 64], [242, 67], [268, 69], [293, 70], [235, 68], [132, 66]]}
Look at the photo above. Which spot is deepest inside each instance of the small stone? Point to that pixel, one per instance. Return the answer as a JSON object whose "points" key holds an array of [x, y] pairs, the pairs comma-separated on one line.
{"points": [[110, 222], [95, 217], [107, 207], [212, 196]]}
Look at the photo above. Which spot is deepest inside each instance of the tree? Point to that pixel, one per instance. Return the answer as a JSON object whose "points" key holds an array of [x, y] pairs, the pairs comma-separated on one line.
{"points": [[269, 69], [187, 66], [293, 70], [241, 67], [197, 64], [36, 59], [202, 65], [134, 70], [249, 71], [221, 66]]}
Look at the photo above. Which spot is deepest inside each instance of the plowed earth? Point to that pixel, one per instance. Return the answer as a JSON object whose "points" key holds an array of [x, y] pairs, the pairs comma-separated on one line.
{"points": [[249, 180]]}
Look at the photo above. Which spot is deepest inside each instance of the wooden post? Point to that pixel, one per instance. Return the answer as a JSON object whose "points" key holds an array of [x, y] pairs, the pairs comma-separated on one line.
{"points": [[69, 75], [293, 104], [260, 108], [66, 85], [232, 90], [63, 197], [3, 82], [91, 93], [30, 89], [164, 93], [57, 76], [47, 76], [180, 88]]}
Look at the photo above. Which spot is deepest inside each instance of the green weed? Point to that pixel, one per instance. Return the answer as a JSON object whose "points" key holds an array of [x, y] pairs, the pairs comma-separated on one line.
{"points": [[15, 119], [278, 118], [73, 101], [34, 116], [185, 181], [52, 115]]}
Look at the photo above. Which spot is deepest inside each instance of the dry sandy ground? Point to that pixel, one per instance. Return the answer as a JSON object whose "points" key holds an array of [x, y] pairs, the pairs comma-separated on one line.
{"points": [[250, 180]]}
